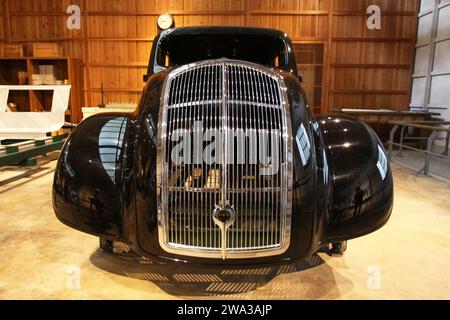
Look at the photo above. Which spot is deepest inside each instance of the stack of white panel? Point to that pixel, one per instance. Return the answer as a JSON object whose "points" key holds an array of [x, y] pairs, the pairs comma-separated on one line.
{"points": [[33, 125]]}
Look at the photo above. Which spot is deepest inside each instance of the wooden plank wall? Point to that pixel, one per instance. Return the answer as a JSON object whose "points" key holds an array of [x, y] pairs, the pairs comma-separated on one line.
{"points": [[362, 68]]}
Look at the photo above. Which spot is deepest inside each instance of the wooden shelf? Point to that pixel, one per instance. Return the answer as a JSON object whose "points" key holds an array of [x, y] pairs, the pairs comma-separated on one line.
{"points": [[65, 68]]}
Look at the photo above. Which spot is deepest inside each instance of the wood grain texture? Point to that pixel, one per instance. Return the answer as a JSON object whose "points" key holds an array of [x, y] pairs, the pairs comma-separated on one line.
{"points": [[361, 68]]}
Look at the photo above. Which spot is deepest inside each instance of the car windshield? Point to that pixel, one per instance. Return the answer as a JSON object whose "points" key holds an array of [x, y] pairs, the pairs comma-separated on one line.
{"points": [[178, 50]]}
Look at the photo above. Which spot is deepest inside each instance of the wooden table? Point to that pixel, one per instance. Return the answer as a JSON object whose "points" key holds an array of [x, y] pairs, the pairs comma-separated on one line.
{"points": [[384, 116]]}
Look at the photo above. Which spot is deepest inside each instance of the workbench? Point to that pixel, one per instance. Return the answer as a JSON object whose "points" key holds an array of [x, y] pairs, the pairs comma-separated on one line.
{"points": [[434, 127], [385, 116]]}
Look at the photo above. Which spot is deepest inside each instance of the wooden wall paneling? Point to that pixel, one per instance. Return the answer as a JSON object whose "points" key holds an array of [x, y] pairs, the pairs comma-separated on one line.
{"points": [[86, 54], [372, 67], [76, 72], [362, 68], [145, 6], [6, 23], [413, 52], [328, 71], [3, 36]]}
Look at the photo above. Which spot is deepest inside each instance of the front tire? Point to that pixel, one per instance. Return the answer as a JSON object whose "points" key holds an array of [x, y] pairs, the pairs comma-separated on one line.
{"points": [[339, 248], [106, 245]]}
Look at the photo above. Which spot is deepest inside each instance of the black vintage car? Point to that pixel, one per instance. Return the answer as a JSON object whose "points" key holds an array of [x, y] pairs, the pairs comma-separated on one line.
{"points": [[222, 161]]}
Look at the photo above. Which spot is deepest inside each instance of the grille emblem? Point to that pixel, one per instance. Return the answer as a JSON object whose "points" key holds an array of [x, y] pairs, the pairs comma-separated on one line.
{"points": [[224, 217]]}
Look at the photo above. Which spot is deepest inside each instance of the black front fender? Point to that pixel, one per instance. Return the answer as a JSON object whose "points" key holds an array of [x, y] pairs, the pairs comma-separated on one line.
{"points": [[89, 175], [362, 183]]}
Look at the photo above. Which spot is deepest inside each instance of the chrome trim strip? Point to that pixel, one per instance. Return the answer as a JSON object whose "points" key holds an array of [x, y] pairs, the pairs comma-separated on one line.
{"points": [[223, 197]]}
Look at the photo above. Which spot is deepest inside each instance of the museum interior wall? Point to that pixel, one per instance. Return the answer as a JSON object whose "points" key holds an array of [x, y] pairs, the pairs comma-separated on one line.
{"points": [[344, 64]]}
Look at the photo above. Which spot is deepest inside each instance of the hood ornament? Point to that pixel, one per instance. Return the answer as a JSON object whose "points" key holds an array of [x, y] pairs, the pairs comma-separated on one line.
{"points": [[224, 216]]}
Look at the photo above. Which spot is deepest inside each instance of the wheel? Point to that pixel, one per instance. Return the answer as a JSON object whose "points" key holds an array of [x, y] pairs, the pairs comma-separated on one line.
{"points": [[106, 245], [339, 248], [324, 248]]}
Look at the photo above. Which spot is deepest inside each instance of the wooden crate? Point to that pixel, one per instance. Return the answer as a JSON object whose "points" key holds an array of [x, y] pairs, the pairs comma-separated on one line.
{"points": [[11, 50], [47, 49]]}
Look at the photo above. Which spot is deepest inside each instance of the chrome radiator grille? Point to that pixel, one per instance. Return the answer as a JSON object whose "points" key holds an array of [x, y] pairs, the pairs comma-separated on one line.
{"points": [[233, 98]]}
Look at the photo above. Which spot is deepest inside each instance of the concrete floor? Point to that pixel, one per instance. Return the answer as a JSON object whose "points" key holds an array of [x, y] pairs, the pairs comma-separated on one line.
{"points": [[41, 258]]}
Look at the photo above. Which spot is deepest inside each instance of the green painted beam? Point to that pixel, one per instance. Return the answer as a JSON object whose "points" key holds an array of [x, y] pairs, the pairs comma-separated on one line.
{"points": [[13, 146], [28, 162], [17, 158], [11, 141], [12, 149]]}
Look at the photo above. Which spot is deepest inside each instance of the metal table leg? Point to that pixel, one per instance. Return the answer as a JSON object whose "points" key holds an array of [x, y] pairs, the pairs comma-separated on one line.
{"points": [[402, 136], [447, 143], [391, 140], [431, 140]]}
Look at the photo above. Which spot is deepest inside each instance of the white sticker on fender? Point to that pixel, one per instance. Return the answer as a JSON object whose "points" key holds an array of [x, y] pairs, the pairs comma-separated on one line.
{"points": [[382, 163]]}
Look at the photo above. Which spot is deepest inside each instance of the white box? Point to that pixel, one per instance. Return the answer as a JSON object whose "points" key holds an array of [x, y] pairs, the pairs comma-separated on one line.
{"points": [[48, 79], [46, 69], [36, 79]]}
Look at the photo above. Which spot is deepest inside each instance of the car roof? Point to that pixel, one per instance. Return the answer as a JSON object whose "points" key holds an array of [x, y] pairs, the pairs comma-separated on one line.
{"points": [[220, 30], [225, 30]]}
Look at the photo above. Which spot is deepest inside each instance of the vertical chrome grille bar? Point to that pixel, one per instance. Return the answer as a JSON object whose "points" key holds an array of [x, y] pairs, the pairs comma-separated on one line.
{"points": [[261, 129], [207, 172], [210, 107], [194, 172], [224, 126], [263, 183], [200, 184], [252, 127], [273, 125], [216, 126], [176, 206], [224, 187], [280, 199], [170, 221], [232, 157], [246, 169]]}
